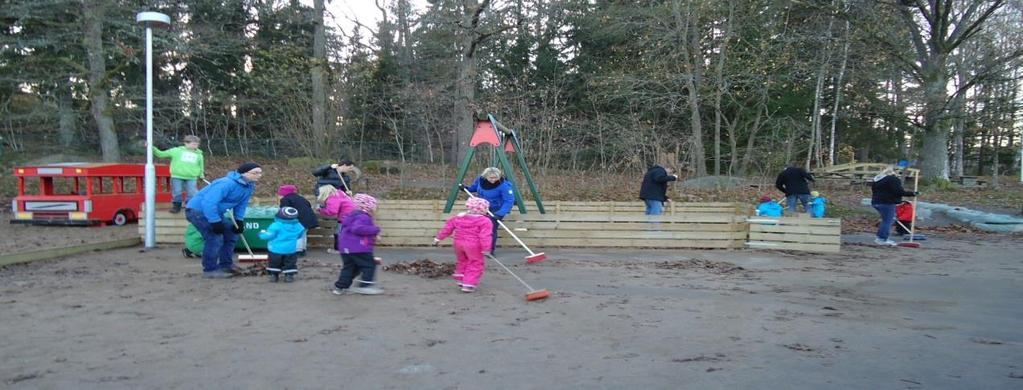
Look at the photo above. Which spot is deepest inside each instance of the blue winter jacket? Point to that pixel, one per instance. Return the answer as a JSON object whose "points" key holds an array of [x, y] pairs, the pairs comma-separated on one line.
{"points": [[229, 192], [282, 235], [770, 209], [499, 195], [817, 207]]}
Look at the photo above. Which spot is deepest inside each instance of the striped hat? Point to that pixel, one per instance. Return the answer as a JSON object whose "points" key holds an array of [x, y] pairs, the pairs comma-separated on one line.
{"points": [[287, 213], [365, 202], [477, 205]]}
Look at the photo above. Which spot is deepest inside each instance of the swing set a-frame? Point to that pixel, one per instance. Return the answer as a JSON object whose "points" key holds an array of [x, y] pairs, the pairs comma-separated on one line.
{"points": [[504, 140]]}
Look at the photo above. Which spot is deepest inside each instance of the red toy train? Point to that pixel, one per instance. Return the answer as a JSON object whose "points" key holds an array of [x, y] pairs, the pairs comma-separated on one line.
{"points": [[84, 193]]}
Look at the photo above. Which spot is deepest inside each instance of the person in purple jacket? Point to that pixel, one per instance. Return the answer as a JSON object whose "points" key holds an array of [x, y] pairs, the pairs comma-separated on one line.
{"points": [[358, 236]]}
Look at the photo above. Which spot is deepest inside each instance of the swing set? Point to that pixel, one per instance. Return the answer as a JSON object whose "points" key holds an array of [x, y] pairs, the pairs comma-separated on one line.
{"points": [[504, 141]]}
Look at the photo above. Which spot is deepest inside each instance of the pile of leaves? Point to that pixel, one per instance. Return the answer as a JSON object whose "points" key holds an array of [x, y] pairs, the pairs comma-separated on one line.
{"points": [[423, 267], [718, 267]]}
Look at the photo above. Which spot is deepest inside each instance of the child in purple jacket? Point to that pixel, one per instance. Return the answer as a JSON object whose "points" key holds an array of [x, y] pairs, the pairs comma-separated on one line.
{"points": [[358, 236]]}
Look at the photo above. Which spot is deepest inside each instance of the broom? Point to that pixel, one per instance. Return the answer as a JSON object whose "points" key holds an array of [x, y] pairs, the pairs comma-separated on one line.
{"points": [[251, 257], [531, 295], [912, 222], [533, 257]]}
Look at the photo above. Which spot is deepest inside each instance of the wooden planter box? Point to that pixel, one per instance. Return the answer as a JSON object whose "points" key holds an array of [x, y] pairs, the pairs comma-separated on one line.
{"points": [[795, 233]]}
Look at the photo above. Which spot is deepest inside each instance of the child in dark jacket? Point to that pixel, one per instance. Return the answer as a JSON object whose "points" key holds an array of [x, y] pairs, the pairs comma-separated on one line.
{"points": [[290, 198], [282, 237], [358, 237]]}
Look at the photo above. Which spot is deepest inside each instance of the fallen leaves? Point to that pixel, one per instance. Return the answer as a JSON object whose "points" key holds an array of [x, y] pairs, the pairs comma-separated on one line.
{"points": [[422, 267]]}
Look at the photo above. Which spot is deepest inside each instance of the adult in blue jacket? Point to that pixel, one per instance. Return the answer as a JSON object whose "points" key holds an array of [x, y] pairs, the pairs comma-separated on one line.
{"points": [[496, 190], [206, 211]]}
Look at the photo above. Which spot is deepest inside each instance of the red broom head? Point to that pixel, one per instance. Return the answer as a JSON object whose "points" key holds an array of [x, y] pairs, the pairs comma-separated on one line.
{"points": [[536, 258], [537, 295]]}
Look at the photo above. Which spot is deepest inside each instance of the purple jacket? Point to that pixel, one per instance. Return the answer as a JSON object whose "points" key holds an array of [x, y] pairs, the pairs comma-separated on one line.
{"points": [[358, 233]]}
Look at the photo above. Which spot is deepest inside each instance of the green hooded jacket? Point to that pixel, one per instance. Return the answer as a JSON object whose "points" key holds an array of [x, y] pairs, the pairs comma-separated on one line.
{"points": [[185, 164]]}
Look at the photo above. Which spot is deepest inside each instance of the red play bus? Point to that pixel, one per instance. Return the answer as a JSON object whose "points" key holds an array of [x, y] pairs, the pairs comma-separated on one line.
{"points": [[84, 193]]}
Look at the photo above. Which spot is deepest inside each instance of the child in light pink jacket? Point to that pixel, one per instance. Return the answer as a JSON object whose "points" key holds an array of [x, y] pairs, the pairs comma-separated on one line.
{"points": [[334, 203], [473, 233]]}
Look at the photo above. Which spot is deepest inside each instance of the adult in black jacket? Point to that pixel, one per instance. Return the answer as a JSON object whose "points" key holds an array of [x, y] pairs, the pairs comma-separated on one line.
{"points": [[795, 183], [335, 175], [654, 189], [886, 193], [290, 198]]}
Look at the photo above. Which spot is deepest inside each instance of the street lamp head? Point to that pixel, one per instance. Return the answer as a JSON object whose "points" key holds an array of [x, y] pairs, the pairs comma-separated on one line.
{"points": [[153, 19]]}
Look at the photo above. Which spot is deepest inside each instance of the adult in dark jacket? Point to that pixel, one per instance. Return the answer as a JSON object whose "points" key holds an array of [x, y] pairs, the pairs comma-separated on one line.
{"points": [[795, 183], [886, 193], [654, 189], [290, 198], [336, 175], [208, 211], [498, 191]]}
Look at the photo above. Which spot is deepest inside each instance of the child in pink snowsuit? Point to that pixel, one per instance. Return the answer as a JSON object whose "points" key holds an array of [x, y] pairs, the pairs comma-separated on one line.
{"points": [[473, 233]]}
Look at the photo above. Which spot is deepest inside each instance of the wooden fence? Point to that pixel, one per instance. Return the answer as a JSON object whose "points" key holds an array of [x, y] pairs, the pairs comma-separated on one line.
{"points": [[585, 225]]}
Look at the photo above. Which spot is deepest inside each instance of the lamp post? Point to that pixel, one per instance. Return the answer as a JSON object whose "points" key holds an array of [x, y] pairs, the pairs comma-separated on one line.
{"points": [[149, 20]]}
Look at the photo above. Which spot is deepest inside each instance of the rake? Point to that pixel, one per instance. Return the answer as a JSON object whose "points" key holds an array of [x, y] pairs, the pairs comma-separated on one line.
{"points": [[531, 294], [912, 222], [533, 256]]}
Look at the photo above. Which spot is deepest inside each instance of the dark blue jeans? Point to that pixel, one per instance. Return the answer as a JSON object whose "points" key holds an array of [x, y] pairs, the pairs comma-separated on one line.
{"points": [[493, 241], [887, 212], [654, 207], [355, 264], [802, 198], [218, 254]]}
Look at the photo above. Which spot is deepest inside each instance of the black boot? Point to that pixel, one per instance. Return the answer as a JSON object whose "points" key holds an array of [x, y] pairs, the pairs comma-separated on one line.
{"points": [[175, 208]]}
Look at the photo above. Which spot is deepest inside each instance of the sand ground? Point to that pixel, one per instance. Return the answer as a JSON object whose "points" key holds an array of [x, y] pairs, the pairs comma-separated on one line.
{"points": [[945, 316]]}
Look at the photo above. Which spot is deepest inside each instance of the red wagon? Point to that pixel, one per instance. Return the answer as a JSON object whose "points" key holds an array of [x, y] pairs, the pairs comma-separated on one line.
{"points": [[84, 193]]}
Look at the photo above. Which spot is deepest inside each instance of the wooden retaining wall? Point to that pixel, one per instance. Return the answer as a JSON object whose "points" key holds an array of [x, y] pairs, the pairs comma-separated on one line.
{"points": [[585, 225], [566, 224], [795, 233]]}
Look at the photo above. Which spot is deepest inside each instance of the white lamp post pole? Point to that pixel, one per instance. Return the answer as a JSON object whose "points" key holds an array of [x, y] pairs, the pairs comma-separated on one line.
{"points": [[150, 19]]}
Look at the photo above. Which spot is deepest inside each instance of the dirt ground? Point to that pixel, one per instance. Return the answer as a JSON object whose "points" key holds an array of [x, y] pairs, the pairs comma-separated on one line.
{"points": [[947, 315]]}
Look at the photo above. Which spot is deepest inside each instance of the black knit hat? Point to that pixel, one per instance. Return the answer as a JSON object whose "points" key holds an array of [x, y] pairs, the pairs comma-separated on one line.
{"points": [[247, 166], [287, 213]]}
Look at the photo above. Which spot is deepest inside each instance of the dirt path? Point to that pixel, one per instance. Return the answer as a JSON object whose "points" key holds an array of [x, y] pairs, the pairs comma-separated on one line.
{"points": [[944, 316]]}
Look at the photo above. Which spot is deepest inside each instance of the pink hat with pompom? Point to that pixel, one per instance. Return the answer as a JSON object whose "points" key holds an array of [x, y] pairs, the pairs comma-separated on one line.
{"points": [[365, 202], [477, 205]]}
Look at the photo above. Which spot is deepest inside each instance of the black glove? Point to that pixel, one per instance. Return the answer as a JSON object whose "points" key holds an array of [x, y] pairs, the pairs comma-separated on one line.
{"points": [[461, 186], [916, 193], [239, 226], [217, 227]]}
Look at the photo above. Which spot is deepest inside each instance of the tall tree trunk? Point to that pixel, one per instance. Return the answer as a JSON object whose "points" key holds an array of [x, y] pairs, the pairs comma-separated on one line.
{"points": [[465, 84], [693, 58], [838, 97], [465, 95], [93, 13], [747, 158], [66, 114], [934, 152], [318, 83], [720, 90]]}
